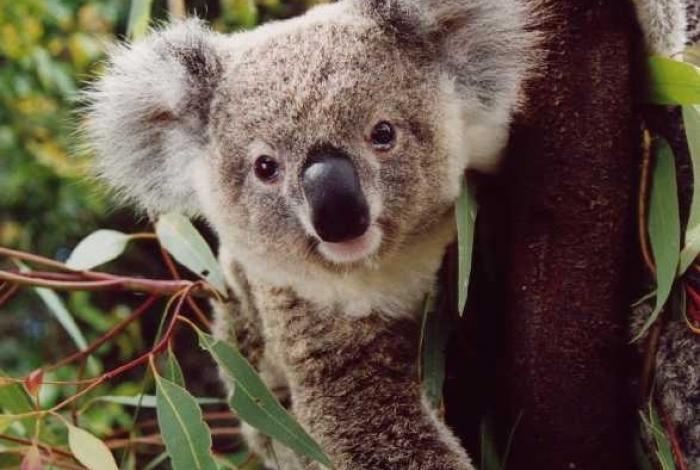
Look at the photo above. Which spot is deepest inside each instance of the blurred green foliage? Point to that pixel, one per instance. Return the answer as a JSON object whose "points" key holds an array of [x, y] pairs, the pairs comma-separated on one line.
{"points": [[47, 48]]}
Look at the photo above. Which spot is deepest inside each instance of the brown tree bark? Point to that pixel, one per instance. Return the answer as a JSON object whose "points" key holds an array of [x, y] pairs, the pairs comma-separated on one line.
{"points": [[565, 211]]}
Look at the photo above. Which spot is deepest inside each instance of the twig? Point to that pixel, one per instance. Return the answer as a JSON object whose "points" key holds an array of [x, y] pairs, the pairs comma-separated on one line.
{"points": [[110, 282], [9, 293], [27, 442], [156, 439], [121, 326], [144, 358], [190, 301], [673, 437]]}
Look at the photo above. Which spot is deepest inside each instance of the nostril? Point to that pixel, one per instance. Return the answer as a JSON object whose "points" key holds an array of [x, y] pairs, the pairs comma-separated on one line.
{"points": [[339, 222]]}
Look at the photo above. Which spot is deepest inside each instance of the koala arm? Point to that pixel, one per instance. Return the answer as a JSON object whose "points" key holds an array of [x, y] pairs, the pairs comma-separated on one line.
{"points": [[355, 387]]}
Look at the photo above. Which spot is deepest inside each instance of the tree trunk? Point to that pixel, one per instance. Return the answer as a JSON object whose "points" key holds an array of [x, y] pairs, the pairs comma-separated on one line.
{"points": [[565, 211]]}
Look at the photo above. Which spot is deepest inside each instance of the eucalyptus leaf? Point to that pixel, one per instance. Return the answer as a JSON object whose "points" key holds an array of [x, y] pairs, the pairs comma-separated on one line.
{"points": [[177, 235], [139, 18], [173, 371], [256, 405], [672, 82], [435, 333], [89, 450], [664, 227], [691, 119], [187, 437], [97, 249], [465, 213]]}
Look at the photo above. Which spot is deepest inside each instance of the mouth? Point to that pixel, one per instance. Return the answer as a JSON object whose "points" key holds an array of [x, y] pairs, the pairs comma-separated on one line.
{"points": [[354, 250]]}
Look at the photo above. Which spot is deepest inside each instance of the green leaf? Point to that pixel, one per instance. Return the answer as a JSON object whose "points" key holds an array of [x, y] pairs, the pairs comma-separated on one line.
{"points": [[672, 82], [664, 452], [436, 330], [139, 17], [187, 437], [664, 227], [89, 450], [97, 248], [256, 405], [691, 119], [490, 460], [14, 399], [173, 372], [465, 211], [177, 235]]}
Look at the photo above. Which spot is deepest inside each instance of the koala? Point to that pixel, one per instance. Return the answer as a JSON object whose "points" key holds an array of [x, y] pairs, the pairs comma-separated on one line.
{"points": [[326, 152]]}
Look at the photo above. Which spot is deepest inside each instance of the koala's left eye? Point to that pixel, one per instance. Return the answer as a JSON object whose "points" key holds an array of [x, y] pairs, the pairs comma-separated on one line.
{"points": [[383, 137]]}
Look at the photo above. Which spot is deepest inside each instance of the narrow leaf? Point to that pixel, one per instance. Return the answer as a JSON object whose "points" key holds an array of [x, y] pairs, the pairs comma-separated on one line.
{"points": [[691, 119], [436, 329], [173, 371], [97, 249], [139, 17], [256, 405], [664, 227], [177, 235], [672, 82], [89, 450], [14, 400], [465, 210], [187, 437], [490, 460]]}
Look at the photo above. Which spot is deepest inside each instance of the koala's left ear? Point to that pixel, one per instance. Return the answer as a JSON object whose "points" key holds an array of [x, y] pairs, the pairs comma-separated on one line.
{"points": [[485, 47], [147, 116]]}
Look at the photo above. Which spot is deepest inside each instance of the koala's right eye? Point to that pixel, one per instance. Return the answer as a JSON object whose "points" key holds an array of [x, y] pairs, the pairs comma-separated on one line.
{"points": [[267, 169]]}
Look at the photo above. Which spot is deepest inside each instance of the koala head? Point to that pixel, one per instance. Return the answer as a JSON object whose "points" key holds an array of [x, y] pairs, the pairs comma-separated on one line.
{"points": [[333, 140]]}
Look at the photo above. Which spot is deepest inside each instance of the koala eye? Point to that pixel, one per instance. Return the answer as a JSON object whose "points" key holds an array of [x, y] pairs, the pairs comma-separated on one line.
{"points": [[383, 137], [267, 169]]}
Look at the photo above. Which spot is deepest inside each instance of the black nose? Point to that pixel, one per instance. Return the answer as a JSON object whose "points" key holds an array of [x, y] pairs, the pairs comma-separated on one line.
{"points": [[339, 210]]}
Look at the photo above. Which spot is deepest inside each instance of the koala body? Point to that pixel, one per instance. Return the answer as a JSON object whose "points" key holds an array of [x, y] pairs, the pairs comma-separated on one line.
{"points": [[327, 152]]}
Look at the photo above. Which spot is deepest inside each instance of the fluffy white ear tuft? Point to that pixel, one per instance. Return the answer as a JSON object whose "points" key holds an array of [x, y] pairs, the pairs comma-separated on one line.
{"points": [[663, 23], [147, 116], [486, 47]]}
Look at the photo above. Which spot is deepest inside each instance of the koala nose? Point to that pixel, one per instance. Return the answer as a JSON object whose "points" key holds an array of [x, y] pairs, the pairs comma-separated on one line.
{"points": [[339, 210]]}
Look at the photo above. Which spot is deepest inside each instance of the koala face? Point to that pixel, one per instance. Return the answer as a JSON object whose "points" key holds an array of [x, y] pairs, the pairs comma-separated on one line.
{"points": [[328, 143], [309, 164]]}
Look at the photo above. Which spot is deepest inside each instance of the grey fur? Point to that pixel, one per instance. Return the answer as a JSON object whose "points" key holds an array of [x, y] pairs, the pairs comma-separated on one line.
{"points": [[663, 23], [676, 381], [678, 386], [179, 118]]}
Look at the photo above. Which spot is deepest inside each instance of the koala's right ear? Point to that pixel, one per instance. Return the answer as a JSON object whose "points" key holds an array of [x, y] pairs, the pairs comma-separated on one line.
{"points": [[147, 116]]}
